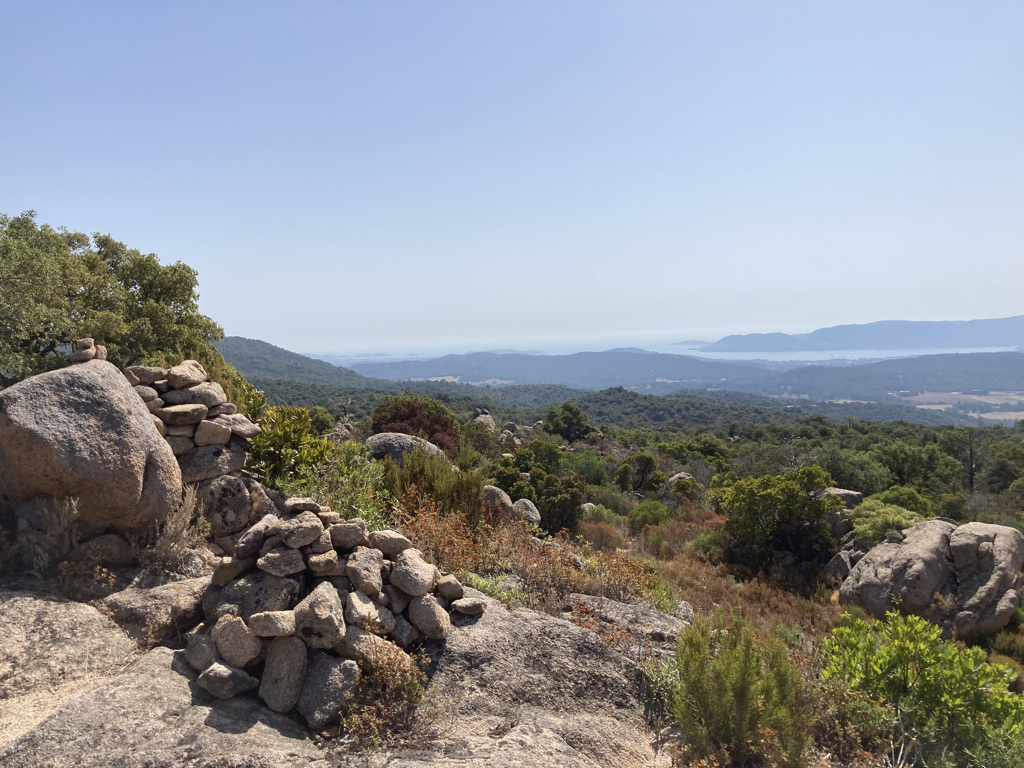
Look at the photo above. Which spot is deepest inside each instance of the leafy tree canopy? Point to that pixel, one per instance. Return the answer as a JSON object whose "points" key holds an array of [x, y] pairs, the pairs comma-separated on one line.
{"points": [[57, 286]]}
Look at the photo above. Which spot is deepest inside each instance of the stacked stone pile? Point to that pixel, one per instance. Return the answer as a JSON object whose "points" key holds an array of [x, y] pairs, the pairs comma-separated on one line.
{"points": [[205, 431], [309, 602], [85, 350]]}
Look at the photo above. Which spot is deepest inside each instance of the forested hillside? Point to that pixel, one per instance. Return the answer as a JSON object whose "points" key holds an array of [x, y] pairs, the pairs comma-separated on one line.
{"points": [[258, 359]]}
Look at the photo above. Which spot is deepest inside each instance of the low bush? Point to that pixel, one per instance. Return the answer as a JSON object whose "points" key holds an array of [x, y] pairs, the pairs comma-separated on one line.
{"points": [[647, 512], [874, 520], [739, 698], [944, 700], [601, 536], [287, 448]]}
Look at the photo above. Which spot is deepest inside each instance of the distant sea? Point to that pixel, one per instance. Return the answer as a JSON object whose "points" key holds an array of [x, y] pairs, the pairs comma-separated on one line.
{"points": [[835, 355]]}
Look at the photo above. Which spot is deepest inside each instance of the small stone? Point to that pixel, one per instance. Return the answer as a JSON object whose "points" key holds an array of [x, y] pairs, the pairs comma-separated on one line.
{"points": [[160, 426], [146, 374], [414, 576], [283, 674], [187, 374], [325, 564], [146, 393], [211, 433], [176, 415], [101, 352], [273, 623], [257, 592], [404, 633], [295, 504], [200, 652], [398, 601], [328, 682], [449, 588], [224, 409], [429, 617], [350, 534], [154, 405], [270, 544], [249, 543], [235, 642], [239, 425], [162, 386], [283, 561], [229, 568], [82, 355], [133, 380], [469, 606], [323, 544], [389, 542], [363, 570], [209, 461], [319, 619], [209, 393], [225, 682], [180, 445], [85, 343], [181, 430], [328, 517], [301, 530], [373, 651]]}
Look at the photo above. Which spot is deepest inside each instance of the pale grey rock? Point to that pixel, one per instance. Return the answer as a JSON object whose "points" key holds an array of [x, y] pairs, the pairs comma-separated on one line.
{"points": [[187, 374], [211, 433], [360, 610], [329, 680], [200, 651], [657, 631], [372, 651], [323, 544], [319, 619], [228, 568], [324, 564], [396, 445], [300, 531], [236, 643], [256, 592], [469, 606], [350, 534], [293, 505], [283, 673], [249, 543], [283, 561], [850, 498], [183, 430], [157, 615], [273, 623], [82, 432], [225, 682], [224, 409], [988, 561], [210, 461], [429, 617], [154, 405], [363, 570], [524, 509], [389, 542], [239, 425], [209, 393], [412, 575], [146, 393], [180, 445], [146, 375], [226, 504], [178, 415], [449, 588]]}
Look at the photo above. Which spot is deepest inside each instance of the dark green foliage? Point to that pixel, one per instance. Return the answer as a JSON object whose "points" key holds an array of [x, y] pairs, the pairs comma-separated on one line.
{"points": [[559, 500], [568, 421], [739, 698], [779, 513], [647, 512], [588, 464], [260, 360], [57, 286], [421, 416], [287, 447]]}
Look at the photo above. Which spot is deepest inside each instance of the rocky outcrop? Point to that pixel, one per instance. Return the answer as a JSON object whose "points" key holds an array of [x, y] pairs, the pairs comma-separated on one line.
{"points": [[526, 510], [968, 578], [498, 503], [50, 651], [483, 417], [397, 444], [647, 628], [850, 498], [82, 432]]}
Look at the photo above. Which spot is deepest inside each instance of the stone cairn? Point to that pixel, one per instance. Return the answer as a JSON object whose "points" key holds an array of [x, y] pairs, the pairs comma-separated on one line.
{"points": [[308, 603]]}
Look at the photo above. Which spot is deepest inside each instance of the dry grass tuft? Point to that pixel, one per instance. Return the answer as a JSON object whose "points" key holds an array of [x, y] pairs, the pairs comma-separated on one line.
{"points": [[168, 543]]}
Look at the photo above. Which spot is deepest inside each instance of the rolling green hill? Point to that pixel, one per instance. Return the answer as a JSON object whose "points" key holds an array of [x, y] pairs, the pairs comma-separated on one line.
{"points": [[259, 360]]}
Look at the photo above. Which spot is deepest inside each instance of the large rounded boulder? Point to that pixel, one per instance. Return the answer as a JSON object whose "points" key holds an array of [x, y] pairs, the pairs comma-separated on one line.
{"points": [[83, 432], [397, 444]]}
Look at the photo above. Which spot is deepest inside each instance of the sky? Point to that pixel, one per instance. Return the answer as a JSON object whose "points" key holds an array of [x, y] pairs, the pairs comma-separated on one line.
{"points": [[403, 176]]}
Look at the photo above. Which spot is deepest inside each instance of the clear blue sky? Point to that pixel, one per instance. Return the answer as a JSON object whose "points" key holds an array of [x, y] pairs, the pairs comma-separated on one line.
{"points": [[359, 176]]}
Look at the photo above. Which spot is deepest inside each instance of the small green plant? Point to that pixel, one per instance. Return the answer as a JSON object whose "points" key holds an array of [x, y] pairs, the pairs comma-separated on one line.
{"points": [[647, 512], [709, 545], [944, 698], [496, 587], [874, 520], [665, 598], [740, 699], [287, 447], [791, 634]]}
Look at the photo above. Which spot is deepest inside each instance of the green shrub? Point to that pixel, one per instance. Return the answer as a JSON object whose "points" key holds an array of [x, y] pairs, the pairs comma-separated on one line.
{"points": [[421, 416], [874, 520], [665, 598], [709, 545], [588, 464], [647, 512], [740, 700], [906, 497], [287, 447], [599, 514], [1009, 644], [434, 477], [567, 421], [944, 699]]}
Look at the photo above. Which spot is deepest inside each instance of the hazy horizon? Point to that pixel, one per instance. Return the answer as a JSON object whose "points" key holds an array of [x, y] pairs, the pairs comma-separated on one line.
{"points": [[352, 178]]}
